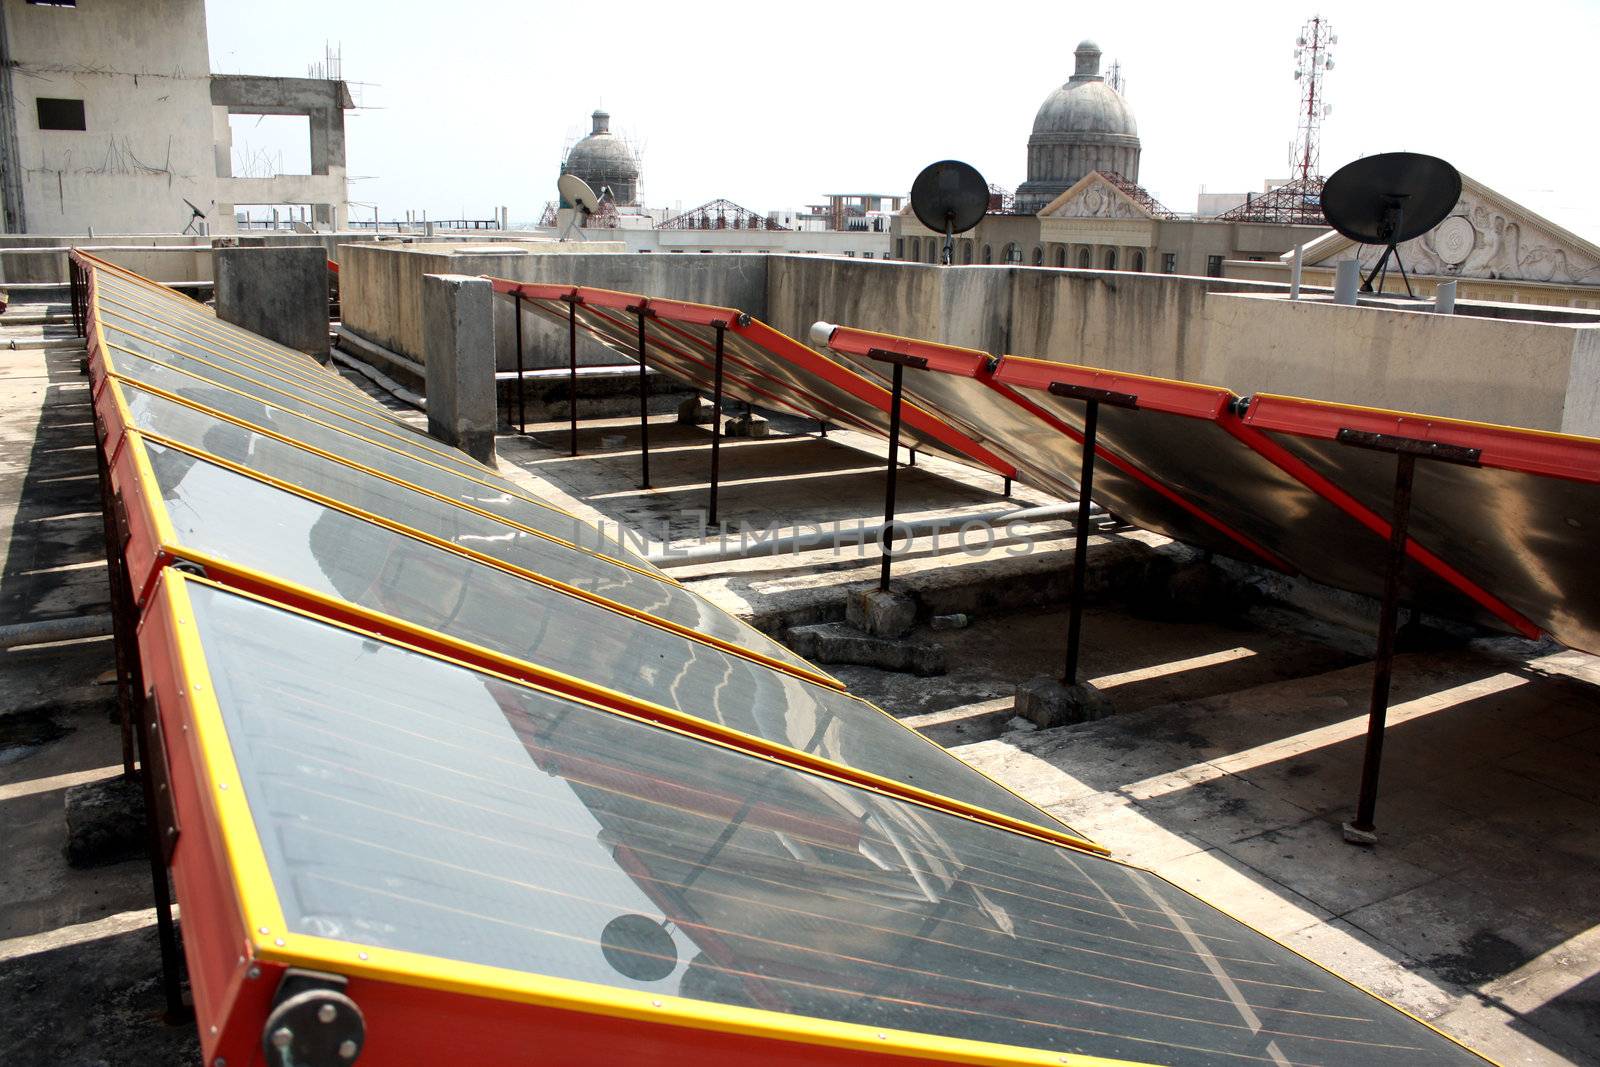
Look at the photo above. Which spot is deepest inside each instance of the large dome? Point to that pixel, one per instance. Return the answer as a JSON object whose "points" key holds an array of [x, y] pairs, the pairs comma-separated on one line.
{"points": [[605, 161], [1083, 126]]}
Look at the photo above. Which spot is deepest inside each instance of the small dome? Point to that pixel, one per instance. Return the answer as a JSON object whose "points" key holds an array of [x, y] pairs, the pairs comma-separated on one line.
{"points": [[1083, 126], [604, 160], [1086, 104]]}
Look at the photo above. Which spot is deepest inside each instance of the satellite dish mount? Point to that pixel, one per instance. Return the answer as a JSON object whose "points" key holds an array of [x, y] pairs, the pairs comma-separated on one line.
{"points": [[197, 218], [580, 200], [950, 197], [1387, 199]]}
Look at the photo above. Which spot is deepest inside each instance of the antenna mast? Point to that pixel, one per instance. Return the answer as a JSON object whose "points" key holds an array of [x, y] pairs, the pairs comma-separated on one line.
{"points": [[1312, 61]]}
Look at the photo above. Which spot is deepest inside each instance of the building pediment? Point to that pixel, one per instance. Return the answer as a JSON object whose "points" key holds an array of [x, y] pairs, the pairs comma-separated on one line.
{"points": [[1095, 197], [1487, 236]]}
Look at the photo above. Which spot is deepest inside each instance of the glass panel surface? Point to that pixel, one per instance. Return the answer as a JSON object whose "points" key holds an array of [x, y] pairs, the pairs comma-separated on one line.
{"points": [[288, 395], [469, 530], [412, 804], [251, 524], [163, 416]]}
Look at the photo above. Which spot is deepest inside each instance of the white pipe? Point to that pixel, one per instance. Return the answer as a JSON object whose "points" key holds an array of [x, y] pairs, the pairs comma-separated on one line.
{"points": [[47, 630], [732, 548]]}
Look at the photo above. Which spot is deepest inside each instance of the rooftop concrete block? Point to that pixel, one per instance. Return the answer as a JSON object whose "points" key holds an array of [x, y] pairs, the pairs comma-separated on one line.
{"points": [[458, 316], [280, 293]]}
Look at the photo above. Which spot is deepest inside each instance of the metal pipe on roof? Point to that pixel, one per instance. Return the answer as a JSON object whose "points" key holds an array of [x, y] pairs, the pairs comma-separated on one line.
{"points": [[48, 630], [725, 548]]}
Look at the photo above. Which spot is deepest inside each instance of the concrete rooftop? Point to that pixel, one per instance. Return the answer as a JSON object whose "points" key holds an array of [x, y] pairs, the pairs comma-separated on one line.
{"points": [[1231, 761]]}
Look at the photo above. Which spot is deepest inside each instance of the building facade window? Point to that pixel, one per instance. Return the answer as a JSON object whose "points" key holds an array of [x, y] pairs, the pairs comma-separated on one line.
{"points": [[1169, 263], [986, 258], [1214, 266], [1083, 258], [866, 255], [1061, 255], [966, 251], [1038, 255], [1111, 259], [1137, 261], [900, 248], [56, 114]]}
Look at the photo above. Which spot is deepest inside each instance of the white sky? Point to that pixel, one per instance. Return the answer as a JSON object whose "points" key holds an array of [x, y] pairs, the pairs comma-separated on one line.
{"points": [[468, 105]]}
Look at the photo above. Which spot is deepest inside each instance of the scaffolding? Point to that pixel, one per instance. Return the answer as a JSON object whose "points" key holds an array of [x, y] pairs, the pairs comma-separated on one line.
{"points": [[1139, 195], [1297, 203], [720, 215]]}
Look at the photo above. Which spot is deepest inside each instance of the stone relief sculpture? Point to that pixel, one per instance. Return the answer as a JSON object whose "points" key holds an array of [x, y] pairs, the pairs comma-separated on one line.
{"points": [[1479, 240], [1099, 201]]}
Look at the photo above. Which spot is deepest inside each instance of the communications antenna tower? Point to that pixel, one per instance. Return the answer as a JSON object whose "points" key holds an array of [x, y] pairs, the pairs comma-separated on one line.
{"points": [[1312, 61]]}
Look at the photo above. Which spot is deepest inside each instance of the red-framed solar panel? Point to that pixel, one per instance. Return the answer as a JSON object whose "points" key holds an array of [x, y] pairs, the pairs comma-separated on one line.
{"points": [[763, 367], [1520, 522], [1045, 443]]}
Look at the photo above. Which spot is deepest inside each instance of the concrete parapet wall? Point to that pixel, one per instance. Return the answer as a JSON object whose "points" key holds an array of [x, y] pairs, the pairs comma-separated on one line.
{"points": [[1240, 334]]}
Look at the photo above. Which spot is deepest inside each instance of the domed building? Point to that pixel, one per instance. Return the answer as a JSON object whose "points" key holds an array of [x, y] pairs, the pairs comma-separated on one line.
{"points": [[605, 161], [1083, 126]]}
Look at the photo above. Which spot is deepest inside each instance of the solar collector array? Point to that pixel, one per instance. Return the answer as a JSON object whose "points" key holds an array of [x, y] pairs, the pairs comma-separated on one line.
{"points": [[461, 750]]}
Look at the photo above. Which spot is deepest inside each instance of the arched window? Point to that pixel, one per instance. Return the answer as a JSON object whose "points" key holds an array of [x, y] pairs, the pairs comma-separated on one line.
{"points": [[899, 248], [935, 250], [1083, 258], [1061, 255], [1038, 255], [1010, 255], [986, 257], [1138, 260], [1111, 259], [966, 251]]}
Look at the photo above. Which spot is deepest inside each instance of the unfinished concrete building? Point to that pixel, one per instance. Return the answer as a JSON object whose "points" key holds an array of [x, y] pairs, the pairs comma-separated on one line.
{"points": [[111, 122]]}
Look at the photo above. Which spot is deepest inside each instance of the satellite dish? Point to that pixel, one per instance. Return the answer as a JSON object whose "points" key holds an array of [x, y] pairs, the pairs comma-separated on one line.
{"points": [[195, 216], [1390, 198], [949, 197], [579, 198]]}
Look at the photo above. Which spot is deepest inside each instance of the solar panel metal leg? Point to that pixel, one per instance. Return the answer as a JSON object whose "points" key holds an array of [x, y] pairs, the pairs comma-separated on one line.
{"points": [[1361, 829], [716, 429], [1007, 493], [644, 408], [522, 413], [913, 462], [887, 541], [1080, 562], [166, 929], [572, 381], [822, 429]]}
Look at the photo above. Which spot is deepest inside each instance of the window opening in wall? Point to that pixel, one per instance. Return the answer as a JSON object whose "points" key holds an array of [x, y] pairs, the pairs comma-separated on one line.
{"points": [[1083, 258], [1038, 255], [1214, 266], [57, 114], [986, 256], [1111, 259], [1138, 260], [1169, 263], [265, 146], [900, 248], [1061, 256]]}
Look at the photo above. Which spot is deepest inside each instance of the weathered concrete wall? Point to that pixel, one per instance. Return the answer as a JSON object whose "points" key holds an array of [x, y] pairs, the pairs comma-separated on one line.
{"points": [[279, 293], [459, 342], [1231, 332], [143, 74], [380, 287]]}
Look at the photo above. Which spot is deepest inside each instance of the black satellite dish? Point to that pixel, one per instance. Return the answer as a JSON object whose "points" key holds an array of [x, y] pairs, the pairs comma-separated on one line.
{"points": [[949, 197], [1389, 198]]}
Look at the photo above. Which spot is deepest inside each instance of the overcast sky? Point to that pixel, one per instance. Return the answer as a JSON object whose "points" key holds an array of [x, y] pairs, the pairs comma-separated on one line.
{"points": [[468, 105]]}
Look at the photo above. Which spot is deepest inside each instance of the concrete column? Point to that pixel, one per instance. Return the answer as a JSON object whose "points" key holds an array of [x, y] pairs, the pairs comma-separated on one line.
{"points": [[280, 293], [458, 344]]}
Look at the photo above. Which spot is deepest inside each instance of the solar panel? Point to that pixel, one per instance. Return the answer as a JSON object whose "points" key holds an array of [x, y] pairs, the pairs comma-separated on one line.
{"points": [[531, 555], [314, 428], [1519, 521], [1188, 436], [146, 362], [762, 366], [1044, 443], [473, 848], [260, 535]]}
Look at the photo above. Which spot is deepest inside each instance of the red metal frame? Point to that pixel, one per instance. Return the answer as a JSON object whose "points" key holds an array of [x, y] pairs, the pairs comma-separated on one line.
{"points": [[1549, 455]]}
